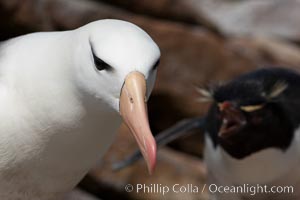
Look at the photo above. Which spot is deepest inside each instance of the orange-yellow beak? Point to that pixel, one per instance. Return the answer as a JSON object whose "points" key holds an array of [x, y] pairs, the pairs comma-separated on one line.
{"points": [[133, 109]]}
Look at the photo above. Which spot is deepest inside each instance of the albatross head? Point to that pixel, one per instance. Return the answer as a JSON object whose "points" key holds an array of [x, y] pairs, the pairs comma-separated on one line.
{"points": [[118, 66]]}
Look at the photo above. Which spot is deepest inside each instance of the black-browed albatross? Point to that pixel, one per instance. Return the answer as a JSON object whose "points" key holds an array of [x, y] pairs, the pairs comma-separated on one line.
{"points": [[61, 98]]}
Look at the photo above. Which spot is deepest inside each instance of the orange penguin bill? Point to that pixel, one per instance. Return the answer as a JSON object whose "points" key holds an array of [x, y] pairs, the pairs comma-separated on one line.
{"points": [[133, 109]]}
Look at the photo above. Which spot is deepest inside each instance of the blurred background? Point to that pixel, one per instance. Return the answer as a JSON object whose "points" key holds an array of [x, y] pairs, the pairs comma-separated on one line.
{"points": [[202, 42]]}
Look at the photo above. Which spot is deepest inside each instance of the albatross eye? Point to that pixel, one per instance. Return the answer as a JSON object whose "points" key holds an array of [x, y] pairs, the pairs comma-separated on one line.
{"points": [[156, 64], [100, 64]]}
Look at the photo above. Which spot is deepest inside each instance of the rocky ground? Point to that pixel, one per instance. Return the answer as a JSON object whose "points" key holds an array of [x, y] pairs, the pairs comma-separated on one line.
{"points": [[202, 42]]}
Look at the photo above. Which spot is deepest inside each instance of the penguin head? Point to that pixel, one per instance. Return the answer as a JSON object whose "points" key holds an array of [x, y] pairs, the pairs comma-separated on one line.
{"points": [[255, 111]]}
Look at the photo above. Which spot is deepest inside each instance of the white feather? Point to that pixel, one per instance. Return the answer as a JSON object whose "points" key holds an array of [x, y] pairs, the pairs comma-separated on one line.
{"points": [[270, 166], [58, 114]]}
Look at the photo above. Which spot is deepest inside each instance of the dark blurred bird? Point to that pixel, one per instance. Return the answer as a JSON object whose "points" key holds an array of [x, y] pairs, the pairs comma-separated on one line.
{"points": [[252, 136]]}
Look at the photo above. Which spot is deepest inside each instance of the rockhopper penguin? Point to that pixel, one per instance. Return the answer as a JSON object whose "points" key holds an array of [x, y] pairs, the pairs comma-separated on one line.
{"points": [[252, 135]]}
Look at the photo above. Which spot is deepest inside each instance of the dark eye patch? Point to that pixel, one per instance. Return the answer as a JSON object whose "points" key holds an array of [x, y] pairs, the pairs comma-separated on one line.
{"points": [[156, 64], [100, 64]]}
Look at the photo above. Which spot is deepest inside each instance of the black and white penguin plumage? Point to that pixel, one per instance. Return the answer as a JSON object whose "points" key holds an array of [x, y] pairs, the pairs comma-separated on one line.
{"points": [[252, 135]]}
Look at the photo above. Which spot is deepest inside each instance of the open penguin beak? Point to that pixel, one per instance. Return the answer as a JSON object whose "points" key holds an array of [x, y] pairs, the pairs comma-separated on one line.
{"points": [[233, 120], [133, 109]]}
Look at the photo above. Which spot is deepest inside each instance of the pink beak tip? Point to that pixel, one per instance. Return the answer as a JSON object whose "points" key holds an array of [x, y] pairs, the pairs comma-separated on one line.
{"points": [[152, 158]]}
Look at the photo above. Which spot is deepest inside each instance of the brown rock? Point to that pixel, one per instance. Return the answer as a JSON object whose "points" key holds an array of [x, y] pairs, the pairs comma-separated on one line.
{"points": [[174, 10], [265, 51], [249, 17], [172, 168], [253, 17], [58, 14]]}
